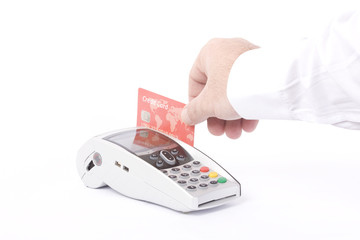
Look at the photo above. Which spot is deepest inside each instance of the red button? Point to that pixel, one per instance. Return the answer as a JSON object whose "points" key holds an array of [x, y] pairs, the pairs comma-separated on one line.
{"points": [[204, 169]]}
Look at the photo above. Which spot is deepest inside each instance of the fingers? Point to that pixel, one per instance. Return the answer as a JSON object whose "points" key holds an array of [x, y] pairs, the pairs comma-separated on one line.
{"points": [[216, 126], [249, 125], [233, 128]]}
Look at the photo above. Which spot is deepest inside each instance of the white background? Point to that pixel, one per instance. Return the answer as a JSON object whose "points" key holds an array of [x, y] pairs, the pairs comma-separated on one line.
{"points": [[70, 70]]}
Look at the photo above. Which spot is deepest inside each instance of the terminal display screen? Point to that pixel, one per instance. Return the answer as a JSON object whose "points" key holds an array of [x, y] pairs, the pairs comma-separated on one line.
{"points": [[142, 141]]}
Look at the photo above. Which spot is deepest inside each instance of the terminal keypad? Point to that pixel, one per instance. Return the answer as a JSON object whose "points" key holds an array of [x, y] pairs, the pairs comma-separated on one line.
{"points": [[194, 176]]}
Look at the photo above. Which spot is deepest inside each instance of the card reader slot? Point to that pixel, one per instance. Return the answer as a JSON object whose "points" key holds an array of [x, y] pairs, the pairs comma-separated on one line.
{"points": [[215, 201]]}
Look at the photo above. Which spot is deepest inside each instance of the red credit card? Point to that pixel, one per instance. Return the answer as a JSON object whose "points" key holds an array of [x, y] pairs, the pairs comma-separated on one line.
{"points": [[163, 114]]}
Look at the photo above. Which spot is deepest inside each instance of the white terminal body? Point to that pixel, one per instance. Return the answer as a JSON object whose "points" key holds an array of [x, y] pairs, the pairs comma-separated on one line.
{"points": [[145, 164]]}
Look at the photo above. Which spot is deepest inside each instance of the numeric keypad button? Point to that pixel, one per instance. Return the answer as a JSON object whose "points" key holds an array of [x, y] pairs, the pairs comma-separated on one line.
{"points": [[175, 170], [184, 175], [191, 188], [213, 183], [195, 172], [173, 177], [204, 177], [181, 182], [203, 186], [196, 163], [194, 180], [187, 167]]}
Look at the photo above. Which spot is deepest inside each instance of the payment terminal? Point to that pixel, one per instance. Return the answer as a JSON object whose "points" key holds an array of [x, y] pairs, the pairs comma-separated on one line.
{"points": [[148, 165]]}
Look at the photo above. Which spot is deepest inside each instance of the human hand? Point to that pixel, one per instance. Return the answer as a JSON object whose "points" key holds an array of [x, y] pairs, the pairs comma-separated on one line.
{"points": [[207, 88]]}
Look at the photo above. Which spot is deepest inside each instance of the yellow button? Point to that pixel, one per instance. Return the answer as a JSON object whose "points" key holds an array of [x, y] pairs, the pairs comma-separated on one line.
{"points": [[213, 174]]}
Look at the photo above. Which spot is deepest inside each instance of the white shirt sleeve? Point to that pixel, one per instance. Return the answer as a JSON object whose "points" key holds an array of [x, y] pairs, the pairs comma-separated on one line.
{"points": [[317, 81]]}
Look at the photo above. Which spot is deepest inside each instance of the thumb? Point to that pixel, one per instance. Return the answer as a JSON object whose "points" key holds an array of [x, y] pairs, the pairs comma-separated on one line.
{"points": [[196, 111]]}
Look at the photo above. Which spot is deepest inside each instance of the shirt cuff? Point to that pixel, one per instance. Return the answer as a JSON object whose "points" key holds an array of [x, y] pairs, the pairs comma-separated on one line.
{"points": [[256, 83]]}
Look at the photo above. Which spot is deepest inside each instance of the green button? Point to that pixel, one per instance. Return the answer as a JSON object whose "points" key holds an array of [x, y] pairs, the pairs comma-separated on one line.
{"points": [[222, 180]]}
